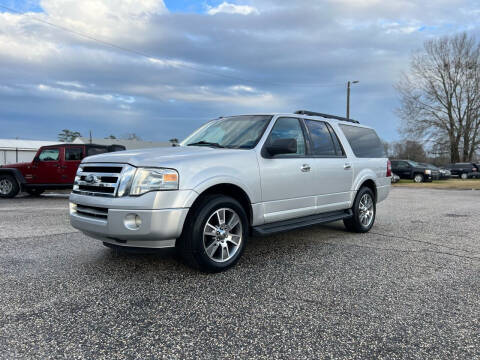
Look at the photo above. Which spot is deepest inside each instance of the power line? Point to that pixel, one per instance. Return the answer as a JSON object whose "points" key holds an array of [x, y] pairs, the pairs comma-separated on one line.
{"points": [[149, 57]]}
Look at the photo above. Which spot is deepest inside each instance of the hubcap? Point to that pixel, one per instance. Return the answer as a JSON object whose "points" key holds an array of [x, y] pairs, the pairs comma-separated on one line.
{"points": [[366, 210], [222, 235], [6, 186]]}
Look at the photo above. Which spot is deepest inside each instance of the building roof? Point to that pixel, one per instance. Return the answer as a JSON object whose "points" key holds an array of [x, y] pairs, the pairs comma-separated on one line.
{"points": [[129, 144], [12, 144]]}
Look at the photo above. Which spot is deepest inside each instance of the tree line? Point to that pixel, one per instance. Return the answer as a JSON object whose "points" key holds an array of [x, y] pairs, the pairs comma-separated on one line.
{"points": [[440, 96]]}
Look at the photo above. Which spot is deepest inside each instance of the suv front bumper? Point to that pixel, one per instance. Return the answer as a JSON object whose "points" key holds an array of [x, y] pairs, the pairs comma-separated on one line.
{"points": [[109, 219]]}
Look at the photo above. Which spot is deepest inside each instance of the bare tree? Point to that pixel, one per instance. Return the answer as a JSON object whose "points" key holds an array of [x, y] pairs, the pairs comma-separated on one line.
{"points": [[410, 150], [440, 95]]}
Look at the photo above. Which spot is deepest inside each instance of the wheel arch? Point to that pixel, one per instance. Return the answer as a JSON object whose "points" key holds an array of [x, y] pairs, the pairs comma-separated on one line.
{"points": [[228, 189], [371, 185], [15, 173]]}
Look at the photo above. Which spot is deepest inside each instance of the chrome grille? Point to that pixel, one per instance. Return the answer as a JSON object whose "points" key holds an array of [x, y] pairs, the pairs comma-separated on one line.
{"points": [[100, 179]]}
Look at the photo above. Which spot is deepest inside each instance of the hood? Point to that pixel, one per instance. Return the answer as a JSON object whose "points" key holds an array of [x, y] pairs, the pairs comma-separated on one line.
{"points": [[158, 156]]}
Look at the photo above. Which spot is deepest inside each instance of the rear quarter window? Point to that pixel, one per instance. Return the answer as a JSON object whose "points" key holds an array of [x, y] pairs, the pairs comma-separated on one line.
{"points": [[95, 150], [364, 142]]}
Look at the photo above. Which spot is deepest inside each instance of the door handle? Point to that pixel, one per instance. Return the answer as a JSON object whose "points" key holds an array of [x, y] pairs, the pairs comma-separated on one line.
{"points": [[305, 168], [347, 166]]}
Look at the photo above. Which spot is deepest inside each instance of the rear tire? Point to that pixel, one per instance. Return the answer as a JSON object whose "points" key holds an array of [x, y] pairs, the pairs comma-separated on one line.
{"points": [[214, 234], [364, 210], [418, 178], [35, 192], [9, 187]]}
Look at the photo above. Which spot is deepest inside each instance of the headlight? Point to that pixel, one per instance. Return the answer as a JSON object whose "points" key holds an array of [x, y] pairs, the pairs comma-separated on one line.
{"points": [[428, 172], [146, 180]]}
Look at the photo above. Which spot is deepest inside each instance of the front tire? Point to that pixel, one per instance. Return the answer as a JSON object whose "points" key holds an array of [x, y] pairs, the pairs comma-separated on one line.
{"points": [[214, 234], [418, 178], [464, 176], [364, 210], [9, 187]]}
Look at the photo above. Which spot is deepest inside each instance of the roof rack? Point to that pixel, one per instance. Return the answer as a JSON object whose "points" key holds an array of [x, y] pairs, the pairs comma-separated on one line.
{"points": [[312, 113]]}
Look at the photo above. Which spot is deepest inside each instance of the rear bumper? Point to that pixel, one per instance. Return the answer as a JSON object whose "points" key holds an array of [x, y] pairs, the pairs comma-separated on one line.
{"points": [[382, 192]]}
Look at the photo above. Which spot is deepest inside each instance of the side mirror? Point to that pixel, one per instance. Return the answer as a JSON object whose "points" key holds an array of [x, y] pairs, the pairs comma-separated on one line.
{"points": [[282, 146]]}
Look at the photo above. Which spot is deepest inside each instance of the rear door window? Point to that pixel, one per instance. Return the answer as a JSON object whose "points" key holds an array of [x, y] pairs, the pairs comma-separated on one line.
{"points": [[73, 154], [364, 142], [322, 142]]}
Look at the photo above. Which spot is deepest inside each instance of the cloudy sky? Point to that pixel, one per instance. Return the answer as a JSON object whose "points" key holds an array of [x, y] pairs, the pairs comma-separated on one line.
{"points": [[176, 63]]}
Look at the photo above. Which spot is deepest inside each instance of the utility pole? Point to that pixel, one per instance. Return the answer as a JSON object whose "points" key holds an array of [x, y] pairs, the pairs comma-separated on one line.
{"points": [[90, 136], [348, 96]]}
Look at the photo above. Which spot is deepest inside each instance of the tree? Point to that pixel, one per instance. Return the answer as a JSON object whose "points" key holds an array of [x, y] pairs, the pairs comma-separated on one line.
{"points": [[111, 137], [440, 95], [410, 150], [68, 136], [173, 141]]}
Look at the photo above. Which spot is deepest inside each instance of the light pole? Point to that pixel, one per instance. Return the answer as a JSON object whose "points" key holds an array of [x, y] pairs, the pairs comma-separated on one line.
{"points": [[348, 96]]}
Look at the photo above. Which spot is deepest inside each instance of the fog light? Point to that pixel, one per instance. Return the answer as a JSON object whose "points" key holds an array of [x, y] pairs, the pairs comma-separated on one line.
{"points": [[73, 208], [132, 221]]}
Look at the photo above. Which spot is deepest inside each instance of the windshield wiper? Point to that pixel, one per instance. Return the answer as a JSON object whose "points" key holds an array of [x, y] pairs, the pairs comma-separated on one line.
{"points": [[206, 143]]}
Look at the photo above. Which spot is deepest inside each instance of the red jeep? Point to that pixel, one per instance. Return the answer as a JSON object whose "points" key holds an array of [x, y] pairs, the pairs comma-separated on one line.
{"points": [[54, 167]]}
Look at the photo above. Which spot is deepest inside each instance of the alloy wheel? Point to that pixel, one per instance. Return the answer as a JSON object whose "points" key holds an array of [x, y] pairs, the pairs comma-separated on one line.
{"points": [[366, 210], [222, 235]]}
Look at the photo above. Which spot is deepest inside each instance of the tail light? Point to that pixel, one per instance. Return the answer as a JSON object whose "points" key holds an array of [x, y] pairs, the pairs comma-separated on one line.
{"points": [[474, 169], [389, 168]]}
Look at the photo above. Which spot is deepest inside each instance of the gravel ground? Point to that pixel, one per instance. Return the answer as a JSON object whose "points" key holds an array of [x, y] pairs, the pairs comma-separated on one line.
{"points": [[408, 289]]}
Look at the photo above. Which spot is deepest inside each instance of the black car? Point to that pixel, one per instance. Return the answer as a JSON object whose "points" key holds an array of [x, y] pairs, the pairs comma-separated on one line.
{"points": [[408, 169], [464, 170], [438, 173]]}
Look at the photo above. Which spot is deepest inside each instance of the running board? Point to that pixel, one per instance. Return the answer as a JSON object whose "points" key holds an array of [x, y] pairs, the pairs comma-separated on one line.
{"points": [[285, 225]]}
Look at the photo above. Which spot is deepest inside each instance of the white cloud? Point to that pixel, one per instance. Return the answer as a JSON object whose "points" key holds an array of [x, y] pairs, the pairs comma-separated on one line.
{"points": [[74, 84], [229, 8], [83, 95]]}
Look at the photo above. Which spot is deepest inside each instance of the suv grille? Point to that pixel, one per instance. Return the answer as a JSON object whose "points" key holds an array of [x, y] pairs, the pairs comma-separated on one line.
{"points": [[98, 179], [91, 211]]}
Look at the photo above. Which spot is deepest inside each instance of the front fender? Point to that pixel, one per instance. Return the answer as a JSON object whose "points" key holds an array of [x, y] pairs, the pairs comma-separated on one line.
{"points": [[208, 182], [15, 173]]}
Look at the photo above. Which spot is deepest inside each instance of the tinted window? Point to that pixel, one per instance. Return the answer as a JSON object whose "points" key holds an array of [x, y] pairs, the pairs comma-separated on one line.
{"points": [[365, 142], [399, 165], [95, 150], [336, 142], [322, 143], [288, 128], [73, 154], [49, 155]]}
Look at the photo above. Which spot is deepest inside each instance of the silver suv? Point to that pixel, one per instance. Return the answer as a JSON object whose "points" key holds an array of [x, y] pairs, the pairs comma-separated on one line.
{"points": [[234, 177]]}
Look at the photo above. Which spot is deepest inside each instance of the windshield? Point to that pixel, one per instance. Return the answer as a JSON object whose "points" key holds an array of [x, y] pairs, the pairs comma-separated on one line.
{"points": [[238, 132]]}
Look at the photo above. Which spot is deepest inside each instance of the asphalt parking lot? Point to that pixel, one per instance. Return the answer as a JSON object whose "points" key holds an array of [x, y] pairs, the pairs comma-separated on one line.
{"points": [[408, 289]]}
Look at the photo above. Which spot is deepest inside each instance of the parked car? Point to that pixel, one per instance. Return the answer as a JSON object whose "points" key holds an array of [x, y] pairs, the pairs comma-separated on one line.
{"points": [[443, 174], [53, 167], [464, 170], [408, 169], [235, 176]]}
